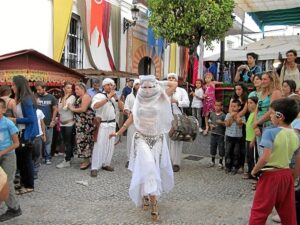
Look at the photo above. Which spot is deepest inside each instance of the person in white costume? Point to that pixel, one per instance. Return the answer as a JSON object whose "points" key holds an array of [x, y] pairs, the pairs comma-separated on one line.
{"points": [[128, 110], [149, 158], [103, 104], [179, 100]]}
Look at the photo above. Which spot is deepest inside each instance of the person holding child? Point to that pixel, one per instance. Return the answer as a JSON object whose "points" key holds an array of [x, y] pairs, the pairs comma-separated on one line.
{"points": [[279, 145], [234, 134]]}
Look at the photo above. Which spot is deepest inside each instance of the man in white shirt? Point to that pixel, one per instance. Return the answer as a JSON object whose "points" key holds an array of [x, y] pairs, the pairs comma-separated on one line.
{"points": [[104, 106], [179, 100]]}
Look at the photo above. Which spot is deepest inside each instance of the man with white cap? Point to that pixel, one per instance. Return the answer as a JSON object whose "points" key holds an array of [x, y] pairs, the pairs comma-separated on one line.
{"points": [[179, 99], [104, 106], [128, 110]]}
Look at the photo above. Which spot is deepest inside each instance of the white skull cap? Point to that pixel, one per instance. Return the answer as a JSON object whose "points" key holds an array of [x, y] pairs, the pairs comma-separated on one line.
{"points": [[173, 75], [108, 81]]}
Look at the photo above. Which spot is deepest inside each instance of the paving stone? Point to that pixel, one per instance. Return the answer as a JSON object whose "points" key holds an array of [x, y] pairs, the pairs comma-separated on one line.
{"points": [[201, 195]]}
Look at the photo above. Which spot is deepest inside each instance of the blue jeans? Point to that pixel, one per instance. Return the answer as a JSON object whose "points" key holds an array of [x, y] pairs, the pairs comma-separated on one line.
{"points": [[47, 148], [197, 112]]}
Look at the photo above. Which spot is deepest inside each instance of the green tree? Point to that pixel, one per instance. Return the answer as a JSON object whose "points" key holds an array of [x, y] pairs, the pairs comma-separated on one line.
{"points": [[186, 21]]}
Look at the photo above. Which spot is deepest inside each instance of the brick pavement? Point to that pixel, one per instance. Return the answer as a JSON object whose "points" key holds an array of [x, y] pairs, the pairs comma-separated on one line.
{"points": [[201, 196]]}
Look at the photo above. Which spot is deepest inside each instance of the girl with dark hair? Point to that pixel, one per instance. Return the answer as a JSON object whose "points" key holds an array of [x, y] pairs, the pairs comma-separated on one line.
{"points": [[128, 109], [66, 120], [288, 88], [28, 125], [257, 86], [11, 108]]}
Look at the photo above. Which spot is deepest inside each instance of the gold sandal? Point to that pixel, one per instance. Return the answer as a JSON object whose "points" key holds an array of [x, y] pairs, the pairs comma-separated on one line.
{"points": [[146, 203], [154, 212]]}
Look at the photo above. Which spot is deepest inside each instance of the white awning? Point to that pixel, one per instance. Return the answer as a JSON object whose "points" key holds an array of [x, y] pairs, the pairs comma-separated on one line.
{"points": [[267, 48]]}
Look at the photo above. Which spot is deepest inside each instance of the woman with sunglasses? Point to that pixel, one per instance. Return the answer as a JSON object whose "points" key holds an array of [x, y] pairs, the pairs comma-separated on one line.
{"points": [[270, 91]]}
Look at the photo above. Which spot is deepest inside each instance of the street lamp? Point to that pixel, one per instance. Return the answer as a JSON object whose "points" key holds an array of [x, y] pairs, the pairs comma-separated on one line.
{"points": [[135, 13]]}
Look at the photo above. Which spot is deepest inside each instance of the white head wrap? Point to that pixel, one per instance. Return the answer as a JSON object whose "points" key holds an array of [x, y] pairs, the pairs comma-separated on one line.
{"points": [[136, 81], [107, 81], [152, 114], [173, 75]]}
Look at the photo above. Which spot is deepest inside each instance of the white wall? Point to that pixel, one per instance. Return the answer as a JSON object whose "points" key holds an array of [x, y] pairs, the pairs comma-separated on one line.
{"points": [[26, 25]]}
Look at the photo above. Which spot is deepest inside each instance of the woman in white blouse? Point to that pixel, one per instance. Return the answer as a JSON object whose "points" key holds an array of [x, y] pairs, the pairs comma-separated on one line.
{"points": [[67, 123]]}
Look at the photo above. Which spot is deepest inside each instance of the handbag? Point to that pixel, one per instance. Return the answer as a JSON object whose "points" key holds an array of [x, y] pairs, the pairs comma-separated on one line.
{"points": [[184, 127]]}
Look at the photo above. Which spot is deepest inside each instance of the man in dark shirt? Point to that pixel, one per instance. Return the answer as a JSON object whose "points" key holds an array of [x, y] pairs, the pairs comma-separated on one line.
{"points": [[48, 104], [246, 72], [127, 90]]}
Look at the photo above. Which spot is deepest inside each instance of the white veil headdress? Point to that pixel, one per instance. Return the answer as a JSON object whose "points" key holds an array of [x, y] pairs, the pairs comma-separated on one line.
{"points": [[152, 114]]}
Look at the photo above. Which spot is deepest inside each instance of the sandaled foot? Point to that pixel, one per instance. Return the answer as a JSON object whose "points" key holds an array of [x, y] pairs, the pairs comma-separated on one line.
{"points": [[146, 203], [154, 212], [24, 191], [85, 164]]}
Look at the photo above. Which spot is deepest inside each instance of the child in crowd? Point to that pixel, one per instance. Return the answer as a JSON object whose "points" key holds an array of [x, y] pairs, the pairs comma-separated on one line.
{"points": [[197, 104], [9, 141], [217, 126], [241, 94], [38, 143], [279, 145], [250, 137], [234, 134], [209, 98]]}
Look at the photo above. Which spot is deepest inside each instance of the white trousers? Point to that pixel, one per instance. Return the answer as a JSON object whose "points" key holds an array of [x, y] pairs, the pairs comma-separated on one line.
{"points": [[104, 147], [175, 148], [151, 168]]}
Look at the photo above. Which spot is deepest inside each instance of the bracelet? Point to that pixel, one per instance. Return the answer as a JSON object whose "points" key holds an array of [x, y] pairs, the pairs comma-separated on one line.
{"points": [[117, 134]]}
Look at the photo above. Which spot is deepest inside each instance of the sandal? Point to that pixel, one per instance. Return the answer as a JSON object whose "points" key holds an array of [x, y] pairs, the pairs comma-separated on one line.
{"points": [[154, 212], [24, 191], [246, 176], [85, 164], [253, 188], [146, 203]]}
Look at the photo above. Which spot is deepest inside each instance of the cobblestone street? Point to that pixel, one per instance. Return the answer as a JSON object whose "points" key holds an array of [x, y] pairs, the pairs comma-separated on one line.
{"points": [[201, 195]]}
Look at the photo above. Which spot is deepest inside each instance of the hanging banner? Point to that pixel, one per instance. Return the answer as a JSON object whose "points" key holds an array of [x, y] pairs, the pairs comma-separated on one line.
{"points": [[173, 54], [62, 11]]}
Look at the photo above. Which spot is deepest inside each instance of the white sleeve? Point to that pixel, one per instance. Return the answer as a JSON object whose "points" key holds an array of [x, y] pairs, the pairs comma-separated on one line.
{"points": [[97, 98], [71, 100], [183, 101], [129, 102]]}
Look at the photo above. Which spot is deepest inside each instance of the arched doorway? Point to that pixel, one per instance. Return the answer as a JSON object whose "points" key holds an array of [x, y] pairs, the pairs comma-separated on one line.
{"points": [[142, 52], [146, 66]]}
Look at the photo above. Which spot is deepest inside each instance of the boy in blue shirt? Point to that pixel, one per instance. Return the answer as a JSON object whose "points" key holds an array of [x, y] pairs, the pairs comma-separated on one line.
{"points": [[275, 186], [8, 143]]}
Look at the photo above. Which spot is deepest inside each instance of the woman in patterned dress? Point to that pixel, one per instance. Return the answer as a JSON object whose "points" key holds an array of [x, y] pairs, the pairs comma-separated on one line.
{"points": [[84, 116]]}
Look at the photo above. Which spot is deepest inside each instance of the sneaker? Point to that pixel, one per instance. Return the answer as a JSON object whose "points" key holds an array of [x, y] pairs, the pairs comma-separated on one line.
{"points": [[276, 219], [200, 130], [48, 162], [63, 164], [211, 164], [220, 166], [10, 213]]}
